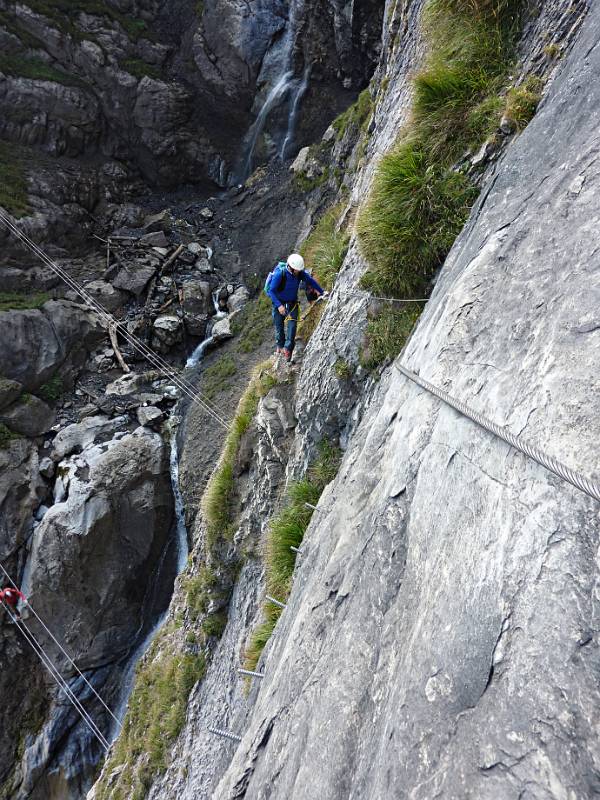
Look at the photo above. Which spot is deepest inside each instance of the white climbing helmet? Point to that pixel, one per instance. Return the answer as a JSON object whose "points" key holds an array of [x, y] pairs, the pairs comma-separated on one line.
{"points": [[296, 262]]}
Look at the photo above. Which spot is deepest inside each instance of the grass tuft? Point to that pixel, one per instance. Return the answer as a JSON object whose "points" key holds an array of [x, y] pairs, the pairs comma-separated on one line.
{"points": [[52, 390], [215, 379], [30, 67], [326, 246], [287, 529], [387, 333], [357, 116], [522, 102], [20, 301], [419, 201], [13, 193], [218, 498]]}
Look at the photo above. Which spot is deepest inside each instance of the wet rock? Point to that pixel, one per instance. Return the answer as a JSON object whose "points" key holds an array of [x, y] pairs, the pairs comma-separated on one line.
{"points": [[149, 414], [156, 239], [80, 435], [47, 467], [197, 306], [21, 490], [9, 391], [30, 416], [238, 299], [222, 330]]}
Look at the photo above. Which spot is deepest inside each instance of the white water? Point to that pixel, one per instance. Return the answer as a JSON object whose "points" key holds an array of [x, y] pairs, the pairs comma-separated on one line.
{"points": [[300, 91], [198, 353], [284, 85]]}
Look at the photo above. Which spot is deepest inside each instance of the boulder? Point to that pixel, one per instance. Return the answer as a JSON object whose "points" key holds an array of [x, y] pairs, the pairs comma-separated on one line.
{"points": [[80, 435], [203, 265], [47, 467], [167, 331], [156, 239], [9, 391], [222, 330], [105, 294], [158, 222], [30, 416], [206, 213], [35, 343], [134, 278], [197, 306], [238, 299], [300, 162], [149, 414], [132, 383]]}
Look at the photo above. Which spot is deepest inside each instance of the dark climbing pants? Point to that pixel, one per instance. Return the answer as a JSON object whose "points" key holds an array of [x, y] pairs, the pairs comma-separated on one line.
{"points": [[291, 318]]}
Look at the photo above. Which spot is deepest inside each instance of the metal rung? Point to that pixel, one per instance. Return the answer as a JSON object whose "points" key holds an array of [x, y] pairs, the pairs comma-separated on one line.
{"points": [[295, 549], [226, 734], [276, 602], [310, 505], [251, 673]]}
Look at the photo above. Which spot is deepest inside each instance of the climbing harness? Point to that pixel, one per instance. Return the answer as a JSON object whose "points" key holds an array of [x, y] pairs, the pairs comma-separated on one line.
{"points": [[569, 475], [290, 311], [159, 363]]}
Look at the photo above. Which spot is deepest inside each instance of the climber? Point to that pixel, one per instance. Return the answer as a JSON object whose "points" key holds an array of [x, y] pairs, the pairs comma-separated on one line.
{"points": [[282, 286], [10, 597]]}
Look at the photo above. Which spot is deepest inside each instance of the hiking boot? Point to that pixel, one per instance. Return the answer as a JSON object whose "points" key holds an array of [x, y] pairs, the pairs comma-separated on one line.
{"points": [[288, 354]]}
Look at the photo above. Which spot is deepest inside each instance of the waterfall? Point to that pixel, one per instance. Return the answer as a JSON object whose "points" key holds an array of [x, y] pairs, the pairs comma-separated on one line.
{"points": [[284, 87], [198, 353], [301, 87]]}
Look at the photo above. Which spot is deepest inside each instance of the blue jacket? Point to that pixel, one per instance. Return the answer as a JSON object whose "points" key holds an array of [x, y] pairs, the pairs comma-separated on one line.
{"points": [[289, 294]]}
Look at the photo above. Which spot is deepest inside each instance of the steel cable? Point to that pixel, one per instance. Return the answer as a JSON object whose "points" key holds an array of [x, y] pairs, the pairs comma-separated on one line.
{"points": [[569, 475], [136, 343], [63, 651]]}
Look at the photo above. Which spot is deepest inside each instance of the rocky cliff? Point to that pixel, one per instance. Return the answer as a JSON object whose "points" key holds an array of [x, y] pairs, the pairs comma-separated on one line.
{"points": [[438, 635]]}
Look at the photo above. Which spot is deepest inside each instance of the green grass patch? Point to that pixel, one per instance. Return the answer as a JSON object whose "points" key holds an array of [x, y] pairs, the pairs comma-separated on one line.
{"points": [[342, 370], [214, 624], [303, 184], [21, 301], [419, 203], [61, 12], [6, 436], [52, 390], [140, 69], [219, 496], [11, 24], [30, 67], [215, 379], [326, 246], [356, 116], [156, 714], [522, 102], [287, 529], [13, 188], [387, 333]]}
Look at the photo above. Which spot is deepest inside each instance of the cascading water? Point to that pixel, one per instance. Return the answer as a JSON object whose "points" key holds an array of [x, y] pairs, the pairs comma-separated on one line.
{"points": [[198, 353], [284, 87]]}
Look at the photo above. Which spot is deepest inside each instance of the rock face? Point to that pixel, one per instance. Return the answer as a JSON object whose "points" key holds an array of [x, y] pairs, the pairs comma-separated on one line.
{"points": [[34, 344], [420, 653], [439, 639]]}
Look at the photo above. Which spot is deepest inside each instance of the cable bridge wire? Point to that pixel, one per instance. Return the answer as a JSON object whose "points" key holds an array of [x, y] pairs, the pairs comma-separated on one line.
{"points": [[161, 365], [58, 678], [60, 647]]}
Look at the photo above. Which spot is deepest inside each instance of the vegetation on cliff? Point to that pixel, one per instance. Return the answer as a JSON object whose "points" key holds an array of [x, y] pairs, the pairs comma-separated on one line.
{"points": [[420, 198]]}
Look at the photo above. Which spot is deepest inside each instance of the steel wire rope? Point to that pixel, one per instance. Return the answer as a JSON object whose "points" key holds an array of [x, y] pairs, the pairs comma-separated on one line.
{"points": [[61, 648], [136, 343], [552, 464], [158, 362], [58, 678]]}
